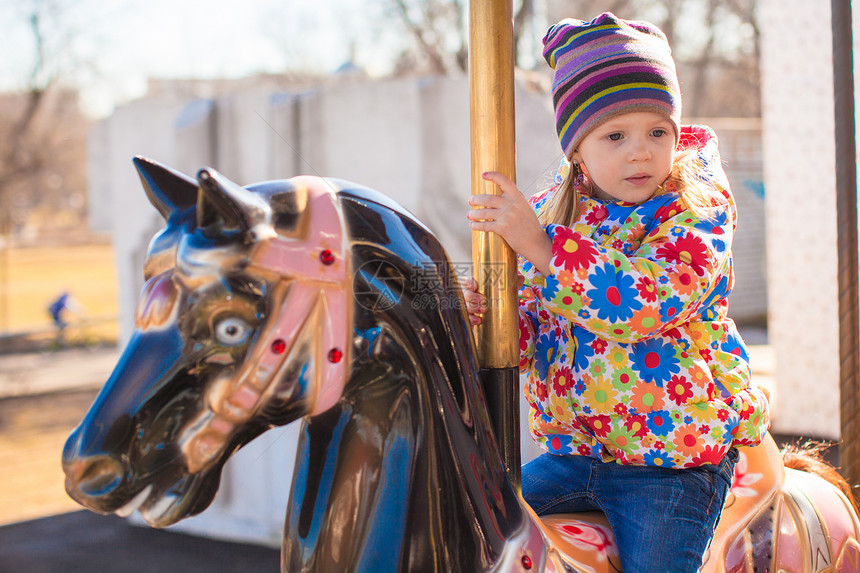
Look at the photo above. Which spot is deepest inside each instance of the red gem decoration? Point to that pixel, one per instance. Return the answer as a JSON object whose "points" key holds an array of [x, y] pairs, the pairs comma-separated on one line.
{"points": [[327, 257], [279, 346], [527, 562], [335, 355]]}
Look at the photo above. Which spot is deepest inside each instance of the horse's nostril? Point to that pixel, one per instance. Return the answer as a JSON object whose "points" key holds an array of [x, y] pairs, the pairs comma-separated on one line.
{"points": [[99, 476]]}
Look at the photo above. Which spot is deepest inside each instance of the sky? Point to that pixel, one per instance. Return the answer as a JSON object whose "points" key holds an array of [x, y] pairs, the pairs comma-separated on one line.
{"points": [[114, 45]]}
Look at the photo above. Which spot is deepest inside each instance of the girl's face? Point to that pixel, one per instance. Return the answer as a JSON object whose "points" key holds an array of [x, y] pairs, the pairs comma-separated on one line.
{"points": [[629, 156]]}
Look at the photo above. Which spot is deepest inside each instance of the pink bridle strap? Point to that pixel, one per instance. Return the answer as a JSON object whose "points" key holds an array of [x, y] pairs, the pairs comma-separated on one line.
{"points": [[312, 290], [317, 269]]}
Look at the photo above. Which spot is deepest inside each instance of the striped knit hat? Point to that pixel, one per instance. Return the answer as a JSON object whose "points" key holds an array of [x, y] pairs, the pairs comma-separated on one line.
{"points": [[607, 67]]}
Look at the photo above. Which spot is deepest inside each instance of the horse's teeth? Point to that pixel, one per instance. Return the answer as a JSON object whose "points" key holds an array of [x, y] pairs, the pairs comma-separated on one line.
{"points": [[135, 502], [158, 509]]}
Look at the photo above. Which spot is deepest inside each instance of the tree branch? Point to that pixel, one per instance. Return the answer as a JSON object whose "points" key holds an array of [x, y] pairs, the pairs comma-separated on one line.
{"points": [[428, 49]]}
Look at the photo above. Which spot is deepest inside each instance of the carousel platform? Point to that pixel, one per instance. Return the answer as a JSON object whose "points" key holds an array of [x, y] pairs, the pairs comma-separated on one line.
{"points": [[83, 542]]}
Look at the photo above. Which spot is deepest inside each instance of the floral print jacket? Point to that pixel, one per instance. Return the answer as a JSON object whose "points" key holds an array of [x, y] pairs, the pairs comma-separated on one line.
{"points": [[627, 347]]}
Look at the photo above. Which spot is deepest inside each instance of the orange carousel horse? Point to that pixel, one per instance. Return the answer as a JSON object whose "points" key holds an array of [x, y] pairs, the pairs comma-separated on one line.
{"points": [[320, 300]]}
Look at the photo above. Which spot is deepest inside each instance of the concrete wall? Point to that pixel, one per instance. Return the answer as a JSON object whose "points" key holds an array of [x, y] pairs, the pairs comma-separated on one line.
{"points": [[799, 159], [117, 202], [406, 138], [741, 150]]}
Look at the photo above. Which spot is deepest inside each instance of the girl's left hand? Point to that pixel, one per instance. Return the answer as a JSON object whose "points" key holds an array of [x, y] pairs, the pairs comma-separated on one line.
{"points": [[511, 216], [476, 303]]}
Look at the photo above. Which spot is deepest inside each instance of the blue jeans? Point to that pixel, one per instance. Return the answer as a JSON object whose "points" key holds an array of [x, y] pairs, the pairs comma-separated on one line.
{"points": [[663, 519]]}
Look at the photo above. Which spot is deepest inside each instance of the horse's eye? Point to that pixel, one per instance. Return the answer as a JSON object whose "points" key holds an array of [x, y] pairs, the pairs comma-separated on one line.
{"points": [[232, 331]]}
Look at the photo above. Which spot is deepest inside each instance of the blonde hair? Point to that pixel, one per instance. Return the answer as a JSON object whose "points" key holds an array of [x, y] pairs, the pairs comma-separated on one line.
{"points": [[698, 193]]}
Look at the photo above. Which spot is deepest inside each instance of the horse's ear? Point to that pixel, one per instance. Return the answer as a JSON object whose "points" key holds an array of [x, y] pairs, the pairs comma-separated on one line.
{"points": [[168, 190], [220, 201]]}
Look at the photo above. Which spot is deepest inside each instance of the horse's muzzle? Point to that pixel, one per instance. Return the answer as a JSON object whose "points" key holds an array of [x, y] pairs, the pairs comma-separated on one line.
{"points": [[91, 480]]}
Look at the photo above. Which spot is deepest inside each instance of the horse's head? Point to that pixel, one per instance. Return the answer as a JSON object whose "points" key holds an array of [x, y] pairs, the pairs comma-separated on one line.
{"points": [[243, 324]]}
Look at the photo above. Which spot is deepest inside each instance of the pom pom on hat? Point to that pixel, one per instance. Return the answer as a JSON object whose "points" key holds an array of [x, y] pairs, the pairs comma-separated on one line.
{"points": [[605, 68]]}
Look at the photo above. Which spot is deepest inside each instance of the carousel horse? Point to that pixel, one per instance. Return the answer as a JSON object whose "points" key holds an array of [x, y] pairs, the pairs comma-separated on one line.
{"points": [[322, 300]]}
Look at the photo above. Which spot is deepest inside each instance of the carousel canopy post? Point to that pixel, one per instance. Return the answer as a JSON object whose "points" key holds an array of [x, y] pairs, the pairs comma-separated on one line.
{"points": [[491, 88], [846, 219]]}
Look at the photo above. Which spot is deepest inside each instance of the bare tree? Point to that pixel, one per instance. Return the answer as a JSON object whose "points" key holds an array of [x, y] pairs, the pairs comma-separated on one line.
{"points": [[703, 62], [18, 160], [588, 9], [42, 132], [715, 44], [438, 33], [438, 29], [42, 138]]}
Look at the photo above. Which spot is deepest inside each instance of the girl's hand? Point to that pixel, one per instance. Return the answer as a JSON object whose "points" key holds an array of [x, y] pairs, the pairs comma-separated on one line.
{"points": [[476, 303], [511, 216]]}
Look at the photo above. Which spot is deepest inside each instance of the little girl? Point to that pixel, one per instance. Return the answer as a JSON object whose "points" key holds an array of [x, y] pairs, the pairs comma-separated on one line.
{"points": [[638, 382]]}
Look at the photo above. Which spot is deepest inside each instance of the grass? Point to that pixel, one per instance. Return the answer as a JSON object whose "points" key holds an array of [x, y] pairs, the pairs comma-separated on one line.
{"points": [[33, 429], [31, 278]]}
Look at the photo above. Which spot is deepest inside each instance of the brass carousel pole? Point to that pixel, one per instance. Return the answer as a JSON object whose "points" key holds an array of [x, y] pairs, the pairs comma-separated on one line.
{"points": [[491, 88], [846, 224]]}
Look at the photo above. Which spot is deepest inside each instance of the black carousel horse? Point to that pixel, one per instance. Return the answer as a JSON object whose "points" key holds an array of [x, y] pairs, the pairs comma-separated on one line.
{"points": [[322, 300]]}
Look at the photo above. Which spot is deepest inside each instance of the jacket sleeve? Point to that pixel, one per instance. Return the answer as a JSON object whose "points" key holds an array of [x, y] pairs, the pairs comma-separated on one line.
{"points": [[528, 304], [528, 321], [679, 264]]}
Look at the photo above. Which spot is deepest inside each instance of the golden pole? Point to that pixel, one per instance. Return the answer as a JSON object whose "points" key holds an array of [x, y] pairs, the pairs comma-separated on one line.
{"points": [[491, 98]]}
